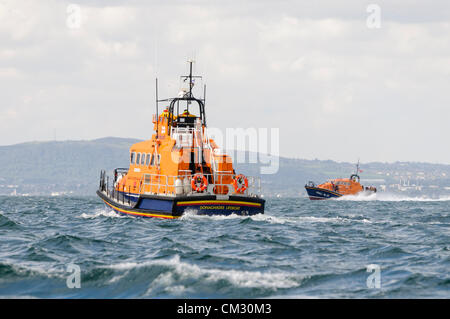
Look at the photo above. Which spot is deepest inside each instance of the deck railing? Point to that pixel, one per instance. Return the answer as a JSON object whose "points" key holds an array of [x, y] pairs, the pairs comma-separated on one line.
{"points": [[219, 183], [115, 192]]}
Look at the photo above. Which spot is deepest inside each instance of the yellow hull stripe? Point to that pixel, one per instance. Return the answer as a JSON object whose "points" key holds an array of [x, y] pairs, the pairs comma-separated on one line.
{"points": [[219, 202], [139, 213]]}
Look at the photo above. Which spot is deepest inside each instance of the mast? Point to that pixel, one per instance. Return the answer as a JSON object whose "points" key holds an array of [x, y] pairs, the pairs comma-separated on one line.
{"points": [[357, 168], [187, 97]]}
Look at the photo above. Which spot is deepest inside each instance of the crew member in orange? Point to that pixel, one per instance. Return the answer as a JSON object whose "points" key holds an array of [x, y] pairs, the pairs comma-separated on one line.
{"points": [[165, 113]]}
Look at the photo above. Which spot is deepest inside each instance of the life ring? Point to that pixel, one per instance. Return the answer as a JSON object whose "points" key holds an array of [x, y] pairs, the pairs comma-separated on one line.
{"points": [[240, 178], [199, 179]]}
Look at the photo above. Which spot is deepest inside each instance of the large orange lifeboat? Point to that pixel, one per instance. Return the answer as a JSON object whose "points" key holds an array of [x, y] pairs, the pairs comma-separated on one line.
{"points": [[180, 168]]}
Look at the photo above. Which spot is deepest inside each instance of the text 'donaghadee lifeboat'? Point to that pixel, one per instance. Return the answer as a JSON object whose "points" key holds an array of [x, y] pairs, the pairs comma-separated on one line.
{"points": [[180, 168], [338, 187]]}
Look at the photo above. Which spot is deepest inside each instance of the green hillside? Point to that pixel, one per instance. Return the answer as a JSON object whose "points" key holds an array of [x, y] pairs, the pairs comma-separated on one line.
{"points": [[74, 166], [43, 167]]}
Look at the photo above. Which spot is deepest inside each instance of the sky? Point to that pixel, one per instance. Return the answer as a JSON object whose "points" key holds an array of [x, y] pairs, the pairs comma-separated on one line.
{"points": [[341, 80]]}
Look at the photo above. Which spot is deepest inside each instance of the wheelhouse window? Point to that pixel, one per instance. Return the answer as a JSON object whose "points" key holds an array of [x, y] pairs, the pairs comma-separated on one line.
{"points": [[132, 157], [138, 158], [143, 159], [153, 161], [147, 162]]}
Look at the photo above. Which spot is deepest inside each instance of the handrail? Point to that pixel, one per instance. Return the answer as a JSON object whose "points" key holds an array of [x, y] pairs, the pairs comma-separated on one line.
{"points": [[157, 183], [220, 183]]}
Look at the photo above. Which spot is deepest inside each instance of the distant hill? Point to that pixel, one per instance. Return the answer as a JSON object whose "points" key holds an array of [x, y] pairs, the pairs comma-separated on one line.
{"points": [[45, 167], [38, 168]]}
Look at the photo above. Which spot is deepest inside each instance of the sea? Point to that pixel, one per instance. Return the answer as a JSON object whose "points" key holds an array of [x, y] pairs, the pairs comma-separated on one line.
{"points": [[378, 246]]}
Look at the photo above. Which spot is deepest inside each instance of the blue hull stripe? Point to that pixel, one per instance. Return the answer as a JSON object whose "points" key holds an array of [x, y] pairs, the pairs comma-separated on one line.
{"points": [[321, 193]]}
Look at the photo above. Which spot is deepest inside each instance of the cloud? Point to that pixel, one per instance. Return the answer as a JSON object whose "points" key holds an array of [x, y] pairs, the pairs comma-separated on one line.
{"points": [[335, 88]]}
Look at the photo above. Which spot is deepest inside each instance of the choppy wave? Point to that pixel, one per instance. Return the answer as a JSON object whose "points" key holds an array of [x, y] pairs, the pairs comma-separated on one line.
{"points": [[18, 271], [272, 219], [176, 275], [297, 248], [6, 222]]}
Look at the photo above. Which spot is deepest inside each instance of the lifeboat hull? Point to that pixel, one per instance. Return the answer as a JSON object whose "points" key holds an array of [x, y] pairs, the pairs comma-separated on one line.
{"points": [[171, 207], [317, 193]]}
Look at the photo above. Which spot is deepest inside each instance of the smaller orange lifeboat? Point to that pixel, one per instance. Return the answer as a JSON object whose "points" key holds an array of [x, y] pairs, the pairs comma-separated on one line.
{"points": [[338, 187]]}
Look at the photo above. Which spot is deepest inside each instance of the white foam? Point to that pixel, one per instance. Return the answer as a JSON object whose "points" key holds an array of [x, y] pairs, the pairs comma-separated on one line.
{"points": [[314, 219], [399, 198], [272, 219], [278, 219], [127, 265], [117, 278], [387, 197], [358, 197], [193, 214], [104, 212], [307, 219]]}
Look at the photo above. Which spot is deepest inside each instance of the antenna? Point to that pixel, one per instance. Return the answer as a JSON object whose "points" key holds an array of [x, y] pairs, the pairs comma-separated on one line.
{"points": [[190, 77], [157, 118], [156, 50], [204, 94], [357, 167]]}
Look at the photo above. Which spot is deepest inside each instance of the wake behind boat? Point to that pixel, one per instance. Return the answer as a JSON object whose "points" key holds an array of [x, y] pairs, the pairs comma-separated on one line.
{"points": [[338, 187], [180, 168]]}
